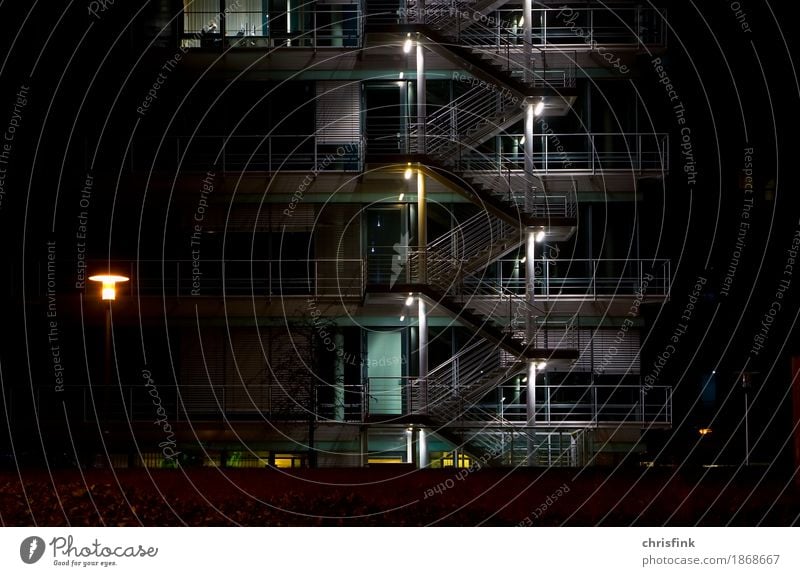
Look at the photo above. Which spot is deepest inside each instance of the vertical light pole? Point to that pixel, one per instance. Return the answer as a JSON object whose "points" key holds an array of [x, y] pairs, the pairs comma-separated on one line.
{"points": [[746, 387], [421, 102], [527, 37], [108, 293], [422, 339]]}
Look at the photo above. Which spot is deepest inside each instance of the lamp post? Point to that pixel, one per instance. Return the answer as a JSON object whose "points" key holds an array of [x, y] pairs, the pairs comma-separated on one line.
{"points": [[108, 293], [746, 379]]}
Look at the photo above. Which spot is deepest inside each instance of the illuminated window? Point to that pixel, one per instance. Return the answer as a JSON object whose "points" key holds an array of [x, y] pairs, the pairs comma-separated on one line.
{"points": [[288, 461], [446, 461], [247, 459], [385, 461]]}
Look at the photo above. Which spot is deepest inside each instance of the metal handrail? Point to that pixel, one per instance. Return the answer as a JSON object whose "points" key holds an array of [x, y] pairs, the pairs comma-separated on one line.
{"points": [[549, 35], [550, 286], [564, 157], [257, 36], [264, 152], [243, 277]]}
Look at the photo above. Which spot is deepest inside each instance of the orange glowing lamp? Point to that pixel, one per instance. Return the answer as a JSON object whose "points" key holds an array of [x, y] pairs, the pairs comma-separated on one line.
{"points": [[109, 284]]}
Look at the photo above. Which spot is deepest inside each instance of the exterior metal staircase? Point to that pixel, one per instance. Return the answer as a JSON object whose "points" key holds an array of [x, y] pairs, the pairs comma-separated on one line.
{"points": [[459, 383]]}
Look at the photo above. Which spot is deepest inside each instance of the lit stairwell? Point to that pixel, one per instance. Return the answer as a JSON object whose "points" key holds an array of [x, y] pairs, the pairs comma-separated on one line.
{"points": [[459, 30], [469, 120], [456, 385], [507, 445], [499, 314], [476, 242]]}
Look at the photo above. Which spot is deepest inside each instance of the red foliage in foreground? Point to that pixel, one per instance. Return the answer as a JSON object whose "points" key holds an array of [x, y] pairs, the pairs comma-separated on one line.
{"points": [[380, 497]]}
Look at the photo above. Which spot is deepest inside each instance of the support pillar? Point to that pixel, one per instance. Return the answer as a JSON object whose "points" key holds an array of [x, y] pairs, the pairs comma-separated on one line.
{"points": [[530, 413], [530, 285], [364, 446], [422, 390], [527, 36], [422, 448], [422, 229], [528, 152], [338, 379], [529, 117], [422, 278], [530, 281], [530, 406], [796, 415], [421, 102], [528, 148]]}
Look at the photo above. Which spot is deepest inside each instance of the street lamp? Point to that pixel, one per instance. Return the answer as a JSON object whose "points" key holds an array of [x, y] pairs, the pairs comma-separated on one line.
{"points": [[109, 284], [746, 382], [108, 293]]}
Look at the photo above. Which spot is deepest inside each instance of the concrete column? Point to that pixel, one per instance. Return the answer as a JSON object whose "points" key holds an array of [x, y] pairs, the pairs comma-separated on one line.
{"points": [[364, 440], [795, 366], [423, 356], [528, 152], [422, 230], [409, 446], [530, 406], [338, 382], [528, 149], [530, 281], [530, 410], [527, 36], [421, 116], [422, 447]]}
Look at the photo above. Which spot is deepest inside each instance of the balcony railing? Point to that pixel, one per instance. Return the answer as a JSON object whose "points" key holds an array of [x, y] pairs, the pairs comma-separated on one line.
{"points": [[256, 153], [553, 153], [321, 277], [587, 153], [306, 25], [586, 279], [555, 279], [578, 28], [386, 398], [215, 401], [560, 27], [592, 153], [581, 405]]}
